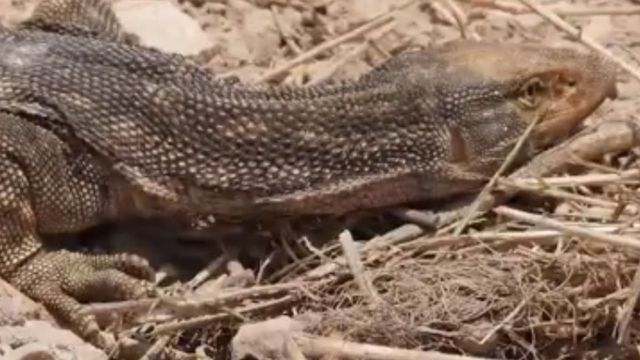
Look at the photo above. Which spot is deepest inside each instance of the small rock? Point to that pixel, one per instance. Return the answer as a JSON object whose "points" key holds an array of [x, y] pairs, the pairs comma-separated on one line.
{"points": [[16, 308], [271, 339], [39, 340], [257, 31], [162, 25]]}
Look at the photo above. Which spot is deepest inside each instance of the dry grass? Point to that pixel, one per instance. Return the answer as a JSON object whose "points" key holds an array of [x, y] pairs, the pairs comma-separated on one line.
{"points": [[520, 301]]}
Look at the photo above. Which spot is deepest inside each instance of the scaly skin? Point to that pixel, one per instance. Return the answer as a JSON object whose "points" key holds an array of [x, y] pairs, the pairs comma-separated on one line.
{"points": [[117, 131]]}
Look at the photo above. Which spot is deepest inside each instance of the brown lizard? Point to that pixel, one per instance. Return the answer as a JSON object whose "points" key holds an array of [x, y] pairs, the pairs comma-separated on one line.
{"points": [[94, 129]]}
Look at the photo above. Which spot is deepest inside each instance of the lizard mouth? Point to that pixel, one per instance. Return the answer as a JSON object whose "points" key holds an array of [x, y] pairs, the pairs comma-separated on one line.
{"points": [[566, 118]]}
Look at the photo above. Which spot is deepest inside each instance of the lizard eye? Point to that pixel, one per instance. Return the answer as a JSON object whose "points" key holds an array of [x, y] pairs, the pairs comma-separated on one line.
{"points": [[530, 92]]}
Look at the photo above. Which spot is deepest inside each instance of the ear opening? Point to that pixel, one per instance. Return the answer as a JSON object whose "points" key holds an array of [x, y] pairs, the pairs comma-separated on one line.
{"points": [[458, 150]]}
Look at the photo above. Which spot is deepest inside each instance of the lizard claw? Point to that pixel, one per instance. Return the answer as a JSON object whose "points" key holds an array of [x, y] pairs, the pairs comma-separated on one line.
{"points": [[62, 280]]}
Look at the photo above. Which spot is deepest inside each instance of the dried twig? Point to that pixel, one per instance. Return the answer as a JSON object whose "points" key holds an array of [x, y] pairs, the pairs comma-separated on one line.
{"points": [[562, 10], [204, 274], [611, 137], [617, 11], [610, 239], [511, 315], [189, 305], [207, 320], [591, 144], [499, 5], [395, 236], [546, 190], [286, 36], [461, 20], [624, 177], [354, 53], [419, 217], [352, 255], [322, 347], [578, 35], [451, 13], [129, 348], [156, 349], [627, 310], [488, 238], [371, 25]]}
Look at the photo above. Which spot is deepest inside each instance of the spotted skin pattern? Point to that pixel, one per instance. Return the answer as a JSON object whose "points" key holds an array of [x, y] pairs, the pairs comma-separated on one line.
{"points": [[94, 128]]}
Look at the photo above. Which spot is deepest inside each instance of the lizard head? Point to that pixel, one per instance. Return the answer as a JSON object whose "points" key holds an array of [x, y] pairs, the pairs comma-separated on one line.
{"points": [[492, 92]]}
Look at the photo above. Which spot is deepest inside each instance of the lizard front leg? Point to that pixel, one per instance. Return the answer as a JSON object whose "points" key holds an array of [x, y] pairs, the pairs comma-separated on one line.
{"points": [[39, 193]]}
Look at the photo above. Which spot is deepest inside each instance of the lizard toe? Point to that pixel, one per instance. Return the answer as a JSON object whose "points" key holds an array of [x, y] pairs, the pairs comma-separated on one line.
{"points": [[131, 265], [91, 285], [63, 280], [42, 285]]}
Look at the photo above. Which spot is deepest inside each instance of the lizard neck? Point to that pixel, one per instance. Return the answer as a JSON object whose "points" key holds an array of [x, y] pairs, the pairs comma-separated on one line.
{"points": [[257, 143], [335, 100], [261, 142]]}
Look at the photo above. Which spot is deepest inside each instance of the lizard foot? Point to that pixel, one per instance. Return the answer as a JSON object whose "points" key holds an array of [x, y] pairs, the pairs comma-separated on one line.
{"points": [[62, 280]]}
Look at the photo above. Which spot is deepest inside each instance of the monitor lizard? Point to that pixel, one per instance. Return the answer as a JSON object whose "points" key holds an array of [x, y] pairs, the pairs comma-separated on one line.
{"points": [[96, 127]]}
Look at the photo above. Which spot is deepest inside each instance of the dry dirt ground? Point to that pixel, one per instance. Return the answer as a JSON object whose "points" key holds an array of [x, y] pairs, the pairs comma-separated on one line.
{"points": [[515, 290]]}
